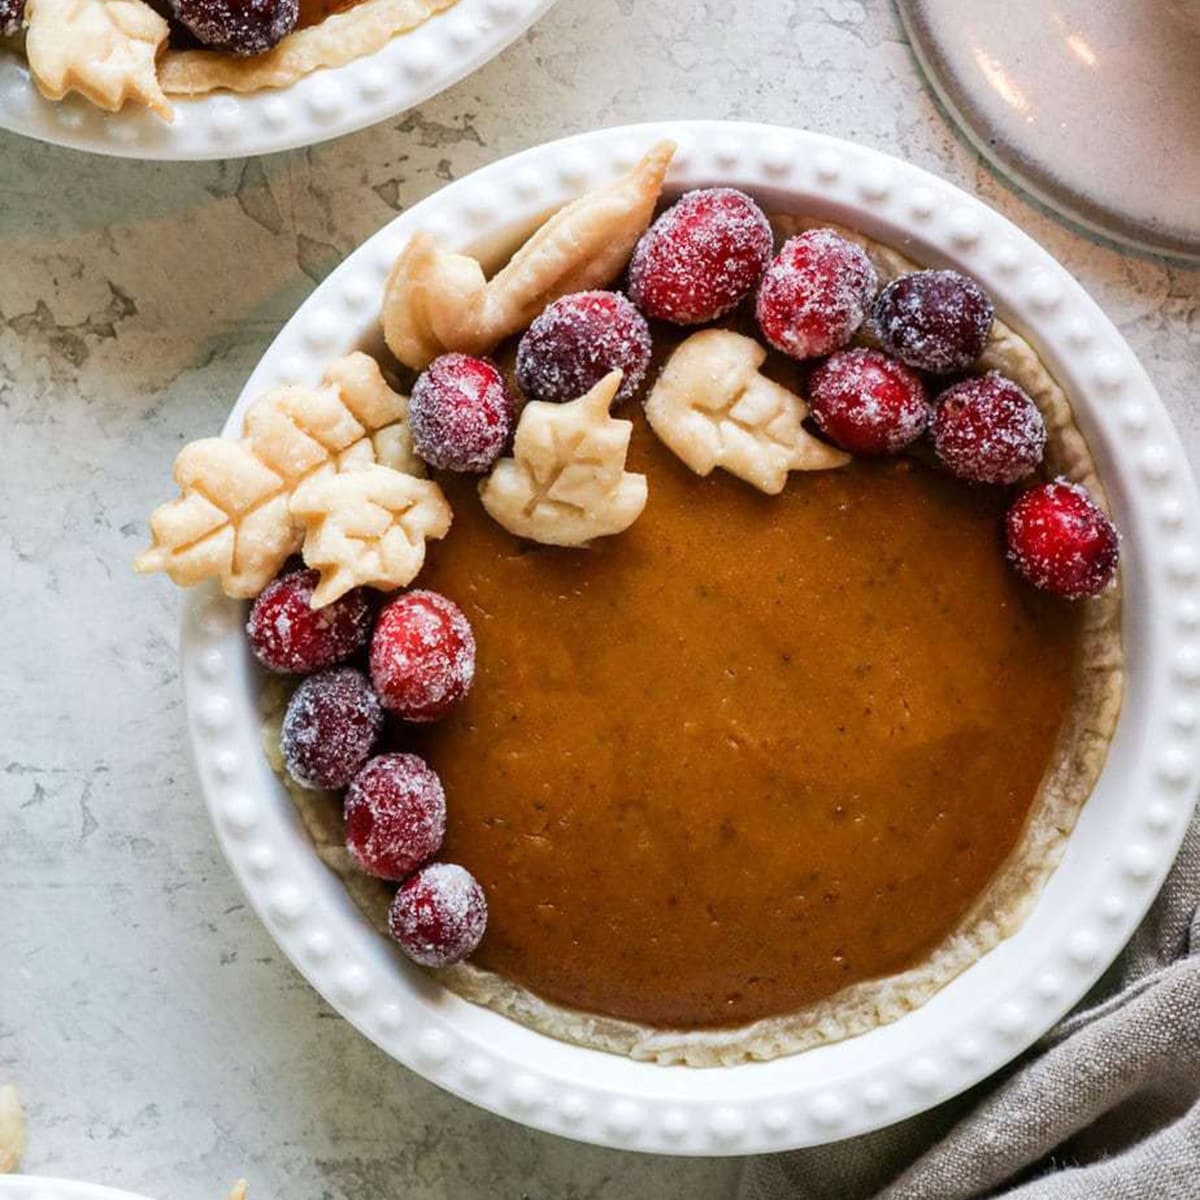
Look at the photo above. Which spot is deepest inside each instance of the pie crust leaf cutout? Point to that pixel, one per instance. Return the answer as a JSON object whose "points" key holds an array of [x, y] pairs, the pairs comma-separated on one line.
{"points": [[368, 528], [436, 301], [711, 406], [12, 1129], [232, 520], [566, 482], [106, 50]]}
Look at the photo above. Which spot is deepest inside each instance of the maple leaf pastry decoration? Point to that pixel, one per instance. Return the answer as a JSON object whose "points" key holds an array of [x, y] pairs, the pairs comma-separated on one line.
{"points": [[232, 520], [713, 408], [566, 482], [436, 301], [106, 50], [368, 528]]}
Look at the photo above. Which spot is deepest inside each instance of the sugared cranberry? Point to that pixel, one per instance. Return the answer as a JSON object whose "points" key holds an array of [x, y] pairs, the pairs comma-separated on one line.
{"points": [[701, 258], [460, 414], [12, 17], [1061, 541], [577, 341], [395, 815], [439, 915], [332, 723], [238, 26], [867, 402], [422, 656], [988, 430], [937, 321], [288, 635]]}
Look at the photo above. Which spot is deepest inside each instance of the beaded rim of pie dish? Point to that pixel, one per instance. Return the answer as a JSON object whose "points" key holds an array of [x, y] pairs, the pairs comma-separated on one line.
{"points": [[1114, 861]]}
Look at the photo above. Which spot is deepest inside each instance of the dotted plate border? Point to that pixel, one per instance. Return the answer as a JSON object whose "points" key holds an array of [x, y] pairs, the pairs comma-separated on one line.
{"points": [[326, 104], [1116, 858]]}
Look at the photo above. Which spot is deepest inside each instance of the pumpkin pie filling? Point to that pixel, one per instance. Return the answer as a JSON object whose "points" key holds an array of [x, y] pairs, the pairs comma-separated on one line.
{"points": [[752, 751]]}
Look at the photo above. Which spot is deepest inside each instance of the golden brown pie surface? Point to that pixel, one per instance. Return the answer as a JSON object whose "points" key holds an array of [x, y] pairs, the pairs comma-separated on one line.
{"points": [[751, 751]]}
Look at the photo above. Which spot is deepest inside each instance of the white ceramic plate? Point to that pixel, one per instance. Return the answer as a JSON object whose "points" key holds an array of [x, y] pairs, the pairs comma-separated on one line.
{"points": [[1117, 856], [29, 1187], [325, 104]]}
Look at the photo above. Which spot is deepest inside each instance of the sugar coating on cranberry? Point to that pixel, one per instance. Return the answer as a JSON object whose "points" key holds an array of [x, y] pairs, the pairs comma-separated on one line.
{"points": [[988, 430], [936, 321], [291, 637], [439, 915], [238, 26], [577, 341], [460, 414], [12, 17], [1061, 540], [332, 723], [395, 815], [422, 656], [701, 258], [867, 402], [815, 294]]}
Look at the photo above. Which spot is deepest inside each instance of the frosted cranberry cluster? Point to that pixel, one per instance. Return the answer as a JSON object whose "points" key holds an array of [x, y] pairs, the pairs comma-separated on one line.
{"points": [[420, 662]]}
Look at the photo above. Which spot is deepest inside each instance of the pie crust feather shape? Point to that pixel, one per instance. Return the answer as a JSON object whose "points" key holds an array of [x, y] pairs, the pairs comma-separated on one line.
{"points": [[232, 520], [368, 527], [106, 50], [566, 482], [436, 301], [711, 406]]}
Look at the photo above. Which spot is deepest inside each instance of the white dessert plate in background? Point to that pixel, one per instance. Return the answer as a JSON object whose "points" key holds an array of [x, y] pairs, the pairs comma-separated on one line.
{"points": [[326, 104], [1117, 856], [30, 1187]]}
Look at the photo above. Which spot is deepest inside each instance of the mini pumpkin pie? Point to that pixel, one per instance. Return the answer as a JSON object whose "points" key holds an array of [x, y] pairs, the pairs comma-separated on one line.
{"points": [[118, 52], [773, 648]]}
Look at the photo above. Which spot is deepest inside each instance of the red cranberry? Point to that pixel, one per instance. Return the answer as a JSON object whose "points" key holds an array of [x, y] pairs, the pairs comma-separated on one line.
{"points": [[937, 321], [238, 26], [460, 414], [332, 723], [988, 430], [12, 17], [422, 656], [867, 402], [288, 635], [701, 258], [439, 915], [395, 815], [1061, 541], [577, 341]]}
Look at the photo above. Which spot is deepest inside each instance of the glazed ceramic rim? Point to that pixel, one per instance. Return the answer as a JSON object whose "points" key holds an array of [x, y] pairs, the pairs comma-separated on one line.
{"points": [[410, 69], [32, 1187], [1116, 858]]}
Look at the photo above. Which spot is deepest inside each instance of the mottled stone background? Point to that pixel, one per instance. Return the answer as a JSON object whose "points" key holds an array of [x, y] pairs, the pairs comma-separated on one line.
{"points": [[159, 1040]]}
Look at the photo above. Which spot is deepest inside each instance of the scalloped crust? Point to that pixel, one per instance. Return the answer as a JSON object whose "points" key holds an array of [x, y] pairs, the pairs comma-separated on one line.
{"points": [[1000, 910]]}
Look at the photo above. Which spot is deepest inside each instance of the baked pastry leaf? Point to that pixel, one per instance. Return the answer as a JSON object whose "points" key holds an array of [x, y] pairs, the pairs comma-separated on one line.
{"points": [[368, 527], [713, 408], [232, 520], [566, 482], [106, 50], [436, 301]]}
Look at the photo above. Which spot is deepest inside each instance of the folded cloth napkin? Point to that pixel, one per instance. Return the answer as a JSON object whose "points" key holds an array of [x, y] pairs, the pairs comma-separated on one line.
{"points": [[1105, 1107]]}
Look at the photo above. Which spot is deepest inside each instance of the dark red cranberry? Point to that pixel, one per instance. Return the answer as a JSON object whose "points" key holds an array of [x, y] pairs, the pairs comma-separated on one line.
{"points": [[868, 403], [422, 656], [241, 27], [1061, 541], [460, 414], [988, 430], [439, 915], [577, 341], [815, 294], [12, 17], [330, 728], [395, 815], [701, 258], [937, 321]]}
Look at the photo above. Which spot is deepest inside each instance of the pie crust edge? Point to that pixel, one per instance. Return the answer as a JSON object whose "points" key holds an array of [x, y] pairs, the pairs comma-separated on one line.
{"points": [[999, 911]]}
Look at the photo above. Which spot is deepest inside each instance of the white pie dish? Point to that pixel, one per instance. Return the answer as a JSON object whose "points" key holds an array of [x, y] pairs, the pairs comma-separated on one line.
{"points": [[326, 104], [1117, 855]]}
